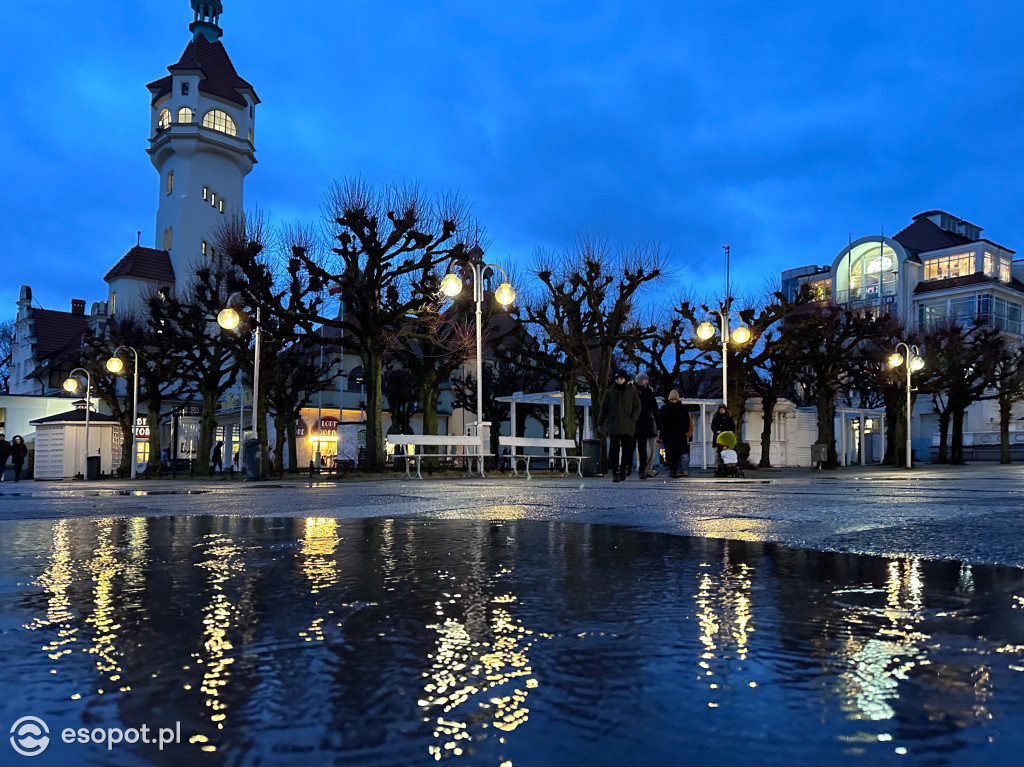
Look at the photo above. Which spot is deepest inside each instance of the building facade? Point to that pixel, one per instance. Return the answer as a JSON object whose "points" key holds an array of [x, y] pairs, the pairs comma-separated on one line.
{"points": [[937, 270]]}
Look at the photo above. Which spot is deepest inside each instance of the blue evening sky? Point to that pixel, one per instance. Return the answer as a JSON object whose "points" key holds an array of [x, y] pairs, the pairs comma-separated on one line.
{"points": [[778, 128]]}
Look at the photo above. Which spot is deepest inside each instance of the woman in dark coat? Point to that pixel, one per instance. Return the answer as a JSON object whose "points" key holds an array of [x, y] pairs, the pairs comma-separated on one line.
{"points": [[675, 432], [5, 453], [19, 452], [721, 421]]}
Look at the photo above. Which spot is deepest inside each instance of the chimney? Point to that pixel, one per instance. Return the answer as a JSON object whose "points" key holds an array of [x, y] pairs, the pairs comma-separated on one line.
{"points": [[78, 306]]}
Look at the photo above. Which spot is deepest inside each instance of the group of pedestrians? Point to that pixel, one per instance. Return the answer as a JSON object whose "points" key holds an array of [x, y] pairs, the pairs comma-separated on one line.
{"points": [[16, 451], [630, 416]]}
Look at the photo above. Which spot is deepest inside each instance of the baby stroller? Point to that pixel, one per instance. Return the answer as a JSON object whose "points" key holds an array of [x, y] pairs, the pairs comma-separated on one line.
{"points": [[727, 463]]}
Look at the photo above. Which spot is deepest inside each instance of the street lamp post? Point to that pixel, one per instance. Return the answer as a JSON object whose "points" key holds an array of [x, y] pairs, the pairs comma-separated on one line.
{"points": [[740, 335], [229, 319], [451, 286], [913, 362], [116, 366], [71, 385]]}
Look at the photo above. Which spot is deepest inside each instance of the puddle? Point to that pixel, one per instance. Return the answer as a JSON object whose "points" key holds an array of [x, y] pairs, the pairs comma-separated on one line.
{"points": [[406, 642]]}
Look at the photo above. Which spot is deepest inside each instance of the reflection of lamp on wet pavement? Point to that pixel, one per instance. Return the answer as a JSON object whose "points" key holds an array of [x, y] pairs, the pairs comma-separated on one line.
{"points": [[71, 384], [913, 362], [116, 366]]}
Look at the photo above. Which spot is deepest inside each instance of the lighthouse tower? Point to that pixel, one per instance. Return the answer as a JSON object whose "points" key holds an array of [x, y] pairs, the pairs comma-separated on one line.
{"points": [[201, 144]]}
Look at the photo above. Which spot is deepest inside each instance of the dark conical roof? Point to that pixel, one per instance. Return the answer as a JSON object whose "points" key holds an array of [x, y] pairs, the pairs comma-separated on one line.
{"points": [[218, 77]]}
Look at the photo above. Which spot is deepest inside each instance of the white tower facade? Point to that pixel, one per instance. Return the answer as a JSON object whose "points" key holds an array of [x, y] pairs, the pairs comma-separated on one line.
{"points": [[201, 144]]}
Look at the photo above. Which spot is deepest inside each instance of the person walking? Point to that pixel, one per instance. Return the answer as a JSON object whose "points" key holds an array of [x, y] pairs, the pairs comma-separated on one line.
{"points": [[19, 452], [217, 458], [676, 428], [720, 422], [647, 427], [619, 413], [5, 453]]}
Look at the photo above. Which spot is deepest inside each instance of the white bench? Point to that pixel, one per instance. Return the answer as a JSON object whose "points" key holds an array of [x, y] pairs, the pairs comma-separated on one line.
{"points": [[518, 453], [472, 449]]}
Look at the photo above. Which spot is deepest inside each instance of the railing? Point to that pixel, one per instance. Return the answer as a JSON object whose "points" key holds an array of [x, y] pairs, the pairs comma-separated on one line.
{"points": [[867, 292]]}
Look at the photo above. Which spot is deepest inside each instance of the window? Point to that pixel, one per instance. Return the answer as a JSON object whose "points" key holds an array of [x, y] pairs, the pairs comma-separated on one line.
{"points": [[997, 266], [184, 115], [821, 290], [221, 121], [170, 181], [113, 302], [168, 237], [206, 193], [204, 247], [945, 267], [870, 272], [962, 311], [250, 135], [999, 313], [930, 315], [355, 379], [220, 205], [213, 199], [163, 120], [184, 90]]}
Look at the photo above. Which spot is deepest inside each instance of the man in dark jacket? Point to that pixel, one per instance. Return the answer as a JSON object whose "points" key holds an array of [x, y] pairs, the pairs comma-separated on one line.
{"points": [[647, 427], [5, 453], [619, 413]]}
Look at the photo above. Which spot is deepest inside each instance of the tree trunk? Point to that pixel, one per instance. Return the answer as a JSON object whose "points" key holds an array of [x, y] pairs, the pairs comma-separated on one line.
{"points": [[293, 448], [943, 456], [827, 426], [125, 469], [372, 373], [279, 441], [1005, 406], [569, 427], [153, 419], [768, 406], [207, 425], [956, 453]]}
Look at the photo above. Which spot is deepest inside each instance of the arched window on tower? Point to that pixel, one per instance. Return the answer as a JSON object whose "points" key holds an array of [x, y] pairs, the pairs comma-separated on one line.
{"points": [[184, 115], [221, 121], [164, 119]]}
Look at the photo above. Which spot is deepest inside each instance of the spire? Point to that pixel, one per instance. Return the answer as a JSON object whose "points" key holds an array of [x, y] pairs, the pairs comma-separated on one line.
{"points": [[207, 15]]}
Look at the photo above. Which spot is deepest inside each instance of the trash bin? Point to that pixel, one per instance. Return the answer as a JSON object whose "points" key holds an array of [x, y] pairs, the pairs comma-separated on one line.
{"points": [[819, 453], [255, 459], [92, 467], [592, 456]]}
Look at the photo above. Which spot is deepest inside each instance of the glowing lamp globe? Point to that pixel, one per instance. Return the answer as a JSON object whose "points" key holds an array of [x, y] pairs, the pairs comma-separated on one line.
{"points": [[505, 294], [917, 363], [741, 334], [451, 285], [115, 365], [895, 360], [228, 318], [70, 385], [705, 331]]}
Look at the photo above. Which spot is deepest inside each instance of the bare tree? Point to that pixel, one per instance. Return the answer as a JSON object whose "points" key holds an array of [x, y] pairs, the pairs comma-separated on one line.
{"points": [[383, 239], [587, 306]]}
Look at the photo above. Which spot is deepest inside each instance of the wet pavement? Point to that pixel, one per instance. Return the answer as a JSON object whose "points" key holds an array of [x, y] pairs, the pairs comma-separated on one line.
{"points": [[853, 617], [969, 513], [316, 640]]}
